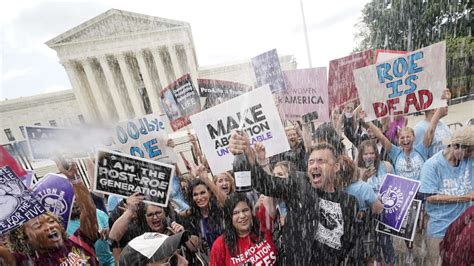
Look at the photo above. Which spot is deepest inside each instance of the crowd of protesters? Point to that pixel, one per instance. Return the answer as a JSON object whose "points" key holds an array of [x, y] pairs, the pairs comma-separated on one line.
{"points": [[316, 204]]}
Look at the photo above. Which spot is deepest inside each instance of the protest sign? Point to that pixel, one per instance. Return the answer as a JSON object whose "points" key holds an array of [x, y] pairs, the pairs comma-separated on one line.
{"points": [[405, 84], [143, 137], [262, 123], [122, 175], [408, 229], [268, 71], [180, 100], [6, 159], [397, 194], [385, 55], [219, 91], [28, 178], [306, 92], [56, 195], [49, 142], [17, 203], [341, 86]]}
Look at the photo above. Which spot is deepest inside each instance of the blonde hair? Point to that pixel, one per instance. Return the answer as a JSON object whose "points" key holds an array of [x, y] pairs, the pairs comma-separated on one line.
{"points": [[231, 179]]}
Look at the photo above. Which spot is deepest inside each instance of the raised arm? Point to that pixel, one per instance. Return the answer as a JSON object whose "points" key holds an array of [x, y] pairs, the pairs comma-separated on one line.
{"points": [[261, 180], [200, 172], [88, 218], [387, 145], [430, 132], [120, 227]]}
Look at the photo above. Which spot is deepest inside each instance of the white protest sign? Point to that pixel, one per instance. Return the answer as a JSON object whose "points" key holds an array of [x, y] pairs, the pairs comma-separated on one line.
{"points": [[262, 123], [123, 175], [404, 84], [143, 137]]}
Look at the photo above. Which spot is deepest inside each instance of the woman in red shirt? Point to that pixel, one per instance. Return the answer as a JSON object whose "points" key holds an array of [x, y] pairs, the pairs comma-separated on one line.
{"points": [[245, 241]]}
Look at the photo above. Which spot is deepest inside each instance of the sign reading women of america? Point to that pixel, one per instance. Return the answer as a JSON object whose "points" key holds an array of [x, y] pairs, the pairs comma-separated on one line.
{"points": [[268, 71], [179, 100], [56, 194], [408, 229], [143, 137], [397, 194], [306, 92], [17, 203], [404, 84], [123, 175], [261, 123]]}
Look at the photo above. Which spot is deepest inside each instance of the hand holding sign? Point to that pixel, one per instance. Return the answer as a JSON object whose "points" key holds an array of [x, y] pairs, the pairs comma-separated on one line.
{"points": [[240, 143]]}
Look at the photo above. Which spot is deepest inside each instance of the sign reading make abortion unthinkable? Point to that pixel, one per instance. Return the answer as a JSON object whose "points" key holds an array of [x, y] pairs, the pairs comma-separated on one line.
{"points": [[341, 86], [143, 137], [219, 91], [397, 194], [404, 84], [179, 100], [17, 203], [123, 175], [306, 92], [268, 71], [261, 123], [56, 194]]}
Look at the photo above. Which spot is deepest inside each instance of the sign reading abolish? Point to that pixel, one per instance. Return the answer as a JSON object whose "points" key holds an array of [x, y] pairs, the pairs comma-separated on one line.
{"points": [[17, 203], [262, 123], [397, 194], [180, 100], [123, 175], [306, 92], [405, 84], [219, 91], [408, 229], [341, 86], [268, 71], [143, 137], [56, 194]]}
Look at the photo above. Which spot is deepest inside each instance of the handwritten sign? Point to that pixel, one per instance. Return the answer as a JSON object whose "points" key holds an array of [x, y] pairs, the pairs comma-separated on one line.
{"points": [[405, 84]]}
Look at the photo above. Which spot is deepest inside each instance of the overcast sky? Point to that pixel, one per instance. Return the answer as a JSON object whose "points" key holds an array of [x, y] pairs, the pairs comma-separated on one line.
{"points": [[223, 31]]}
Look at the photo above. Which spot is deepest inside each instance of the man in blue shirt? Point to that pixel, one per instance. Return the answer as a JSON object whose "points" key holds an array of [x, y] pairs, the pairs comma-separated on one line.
{"points": [[448, 179]]}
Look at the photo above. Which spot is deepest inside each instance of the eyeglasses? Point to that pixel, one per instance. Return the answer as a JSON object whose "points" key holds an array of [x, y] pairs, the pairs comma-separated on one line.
{"points": [[150, 215], [244, 210]]}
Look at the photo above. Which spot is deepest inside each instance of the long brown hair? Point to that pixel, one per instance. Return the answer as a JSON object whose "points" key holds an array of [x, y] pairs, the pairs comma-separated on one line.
{"points": [[360, 152]]}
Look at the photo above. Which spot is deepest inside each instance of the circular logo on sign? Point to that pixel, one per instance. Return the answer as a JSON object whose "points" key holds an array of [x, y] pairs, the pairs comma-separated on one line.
{"points": [[54, 203], [390, 197]]}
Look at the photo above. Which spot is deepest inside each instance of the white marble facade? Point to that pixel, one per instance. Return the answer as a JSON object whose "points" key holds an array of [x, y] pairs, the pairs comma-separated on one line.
{"points": [[116, 58]]}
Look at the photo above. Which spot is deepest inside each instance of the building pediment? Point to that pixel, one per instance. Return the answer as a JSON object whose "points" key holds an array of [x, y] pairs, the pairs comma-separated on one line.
{"points": [[114, 23]]}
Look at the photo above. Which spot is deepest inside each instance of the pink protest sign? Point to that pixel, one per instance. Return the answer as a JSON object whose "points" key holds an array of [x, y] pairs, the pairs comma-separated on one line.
{"points": [[341, 85], [306, 92]]}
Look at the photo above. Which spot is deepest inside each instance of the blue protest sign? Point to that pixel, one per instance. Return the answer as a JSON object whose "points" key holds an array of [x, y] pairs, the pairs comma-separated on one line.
{"points": [[268, 71], [56, 195], [397, 194], [17, 203]]}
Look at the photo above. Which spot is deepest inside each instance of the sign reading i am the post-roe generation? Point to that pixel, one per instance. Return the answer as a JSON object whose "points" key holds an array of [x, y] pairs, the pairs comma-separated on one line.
{"points": [[124, 175], [404, 84]]}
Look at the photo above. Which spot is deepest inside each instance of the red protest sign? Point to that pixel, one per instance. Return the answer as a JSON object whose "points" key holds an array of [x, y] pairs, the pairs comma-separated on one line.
{"points": [[6, 159]]}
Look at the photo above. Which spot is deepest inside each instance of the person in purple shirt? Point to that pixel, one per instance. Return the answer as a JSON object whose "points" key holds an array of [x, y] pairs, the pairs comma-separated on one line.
{"points": [[43, 240]]}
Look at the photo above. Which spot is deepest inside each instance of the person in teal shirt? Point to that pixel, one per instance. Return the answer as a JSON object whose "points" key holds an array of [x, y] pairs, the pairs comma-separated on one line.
{"points": [[447, 179], [101, 246]]}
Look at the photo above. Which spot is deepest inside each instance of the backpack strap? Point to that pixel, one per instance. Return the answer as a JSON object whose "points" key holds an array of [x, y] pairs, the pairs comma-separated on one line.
{"points": [[82, 244]]}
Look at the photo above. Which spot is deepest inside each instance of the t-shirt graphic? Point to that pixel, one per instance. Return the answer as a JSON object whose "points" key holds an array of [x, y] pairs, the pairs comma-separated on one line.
{"points": [[408, 167], [331, 224]]}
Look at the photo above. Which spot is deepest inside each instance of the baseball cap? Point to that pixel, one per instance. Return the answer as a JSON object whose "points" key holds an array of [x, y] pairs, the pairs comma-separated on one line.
{"points": [[463, 136], [152, 247]]}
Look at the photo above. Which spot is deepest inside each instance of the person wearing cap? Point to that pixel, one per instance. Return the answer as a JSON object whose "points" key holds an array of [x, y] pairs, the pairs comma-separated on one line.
{"points": [[447, 181], [155, 249]]}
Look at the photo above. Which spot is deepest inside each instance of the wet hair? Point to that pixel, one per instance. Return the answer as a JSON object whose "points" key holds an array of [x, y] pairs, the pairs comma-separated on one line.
{"points": [[409, 129], [215, 213], [360, 152], [18, 240], [324, 146], [289, 166], [348, 172], [230, 234], [230, 177], [327, 133]]}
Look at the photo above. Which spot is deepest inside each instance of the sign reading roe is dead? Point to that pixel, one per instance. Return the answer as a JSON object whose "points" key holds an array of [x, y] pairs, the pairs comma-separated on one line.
{"points": [[123, 175], [404, 84]]}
